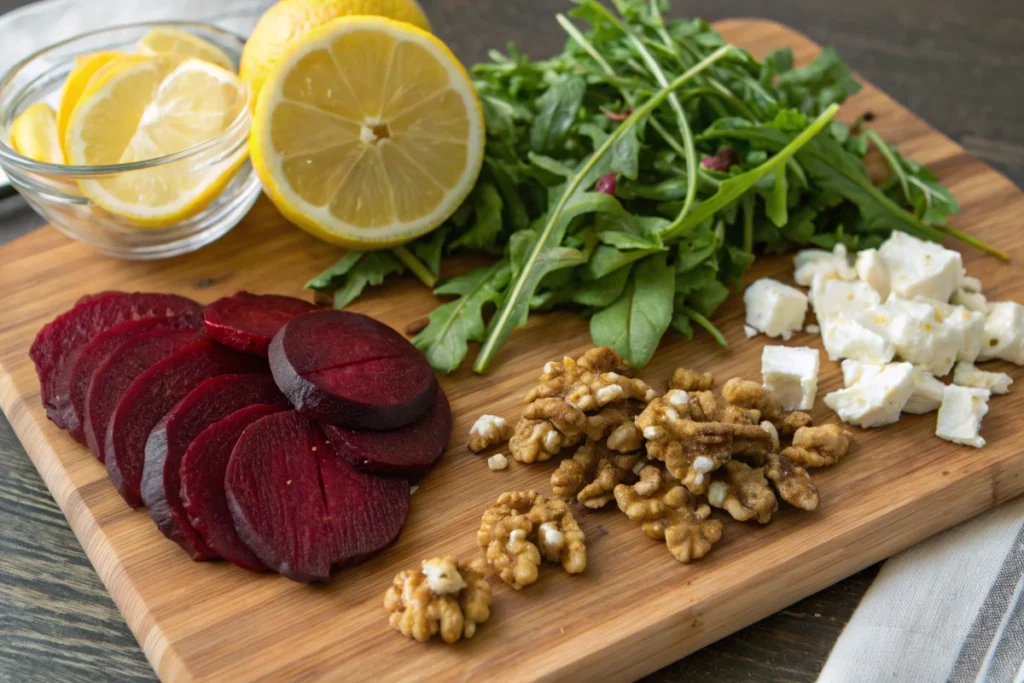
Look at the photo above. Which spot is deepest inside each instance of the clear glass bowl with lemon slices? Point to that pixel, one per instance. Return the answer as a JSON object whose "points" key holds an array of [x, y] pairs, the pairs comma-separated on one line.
{"points": [[133, 139]]}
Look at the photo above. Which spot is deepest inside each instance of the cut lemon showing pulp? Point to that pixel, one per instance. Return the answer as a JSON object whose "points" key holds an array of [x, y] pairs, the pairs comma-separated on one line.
{"points": [[141, 107], [368, 133], [34, 134], [85, 68], [182, 43]]}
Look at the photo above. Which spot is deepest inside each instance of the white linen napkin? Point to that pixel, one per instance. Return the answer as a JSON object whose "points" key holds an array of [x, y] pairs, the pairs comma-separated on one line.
{"points": [[948, 609]]}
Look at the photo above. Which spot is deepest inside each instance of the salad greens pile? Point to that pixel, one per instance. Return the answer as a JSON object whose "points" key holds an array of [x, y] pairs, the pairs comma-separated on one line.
{"points": [[635, 175]]}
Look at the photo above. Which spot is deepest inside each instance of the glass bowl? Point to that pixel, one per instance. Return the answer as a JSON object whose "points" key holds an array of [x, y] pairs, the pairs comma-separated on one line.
{"points": [[53, 190]]}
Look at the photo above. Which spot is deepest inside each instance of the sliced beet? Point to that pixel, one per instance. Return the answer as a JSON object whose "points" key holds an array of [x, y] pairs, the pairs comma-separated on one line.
{"points": [[113, 377], [202, 485], [303, 510], [152, 395], [213, 400], [352, 371], [58, 343], [248, 322], [408, 451], [97, 351]]}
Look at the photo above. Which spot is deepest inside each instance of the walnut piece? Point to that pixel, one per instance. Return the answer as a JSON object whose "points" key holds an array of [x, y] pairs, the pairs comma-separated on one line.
{"points": [[537, 441], [488, 431], [615, 424], [595, 380], [692, 448], [443, 596], [752, 396], [671, 513], [523, 528], [743, 492], [592, 474], [688, 380], [819, 446], [793, 482]]}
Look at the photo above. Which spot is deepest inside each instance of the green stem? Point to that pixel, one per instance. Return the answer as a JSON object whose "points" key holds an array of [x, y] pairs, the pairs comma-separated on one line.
{"points": [[410, 261], [894, 164], [502, 322], [706, 324], [748, 222]]}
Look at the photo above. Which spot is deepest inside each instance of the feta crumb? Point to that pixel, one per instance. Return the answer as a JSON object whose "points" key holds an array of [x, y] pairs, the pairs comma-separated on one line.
{"points": [[810, 262], [830, 296], [972, 301], [966, 375], [774, 308], [703, 464], [971, 284], [927, 396], [652, 433], [773, 432], [413, 489], [678, 397], [515, 536], [496, 462], [846, 336], [552, 440], [490, 427], [968, 325], [717, 491], [961, 414], [876, 401], [440, 580], [552, 537], [791, 374], [871, 269], [609, 393], [812, 329], [919, 268], [918, 333], [749, 331], [1004, 333], [855, 371]]}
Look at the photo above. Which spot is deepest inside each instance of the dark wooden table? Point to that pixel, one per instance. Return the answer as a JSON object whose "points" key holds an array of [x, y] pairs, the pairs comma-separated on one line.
{"points": [[958, 65]]}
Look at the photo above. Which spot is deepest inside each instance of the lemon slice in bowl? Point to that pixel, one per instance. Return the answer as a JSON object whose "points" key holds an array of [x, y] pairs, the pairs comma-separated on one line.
{"points": [[84, 69], [140, 107], [368, 133], [34, 134], [162, 39]]}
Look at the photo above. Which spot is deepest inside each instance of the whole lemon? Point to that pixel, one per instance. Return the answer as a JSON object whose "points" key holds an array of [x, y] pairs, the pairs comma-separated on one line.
{"points": [[289, 20]]}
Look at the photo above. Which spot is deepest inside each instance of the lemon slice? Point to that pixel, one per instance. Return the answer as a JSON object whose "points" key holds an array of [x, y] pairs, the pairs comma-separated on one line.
{"points": [[34, 134], [175, 41], [85, 68], [368, 133], [143, 107]]}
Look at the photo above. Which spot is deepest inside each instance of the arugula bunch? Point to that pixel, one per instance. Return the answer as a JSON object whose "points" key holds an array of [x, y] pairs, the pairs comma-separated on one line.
{"points": [[635, 175]]}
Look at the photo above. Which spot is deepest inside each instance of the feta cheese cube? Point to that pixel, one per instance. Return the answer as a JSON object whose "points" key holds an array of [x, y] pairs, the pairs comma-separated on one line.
{"points": [[960, 415], [876, 401], [968, 325], [919, 268], [855, 371], [775, 309], [791, 374], [810, 262], [1004, 333], [966, 375], [927, 396], [972, 301], [845, 336], [918, 335], [871, 269], [831, 296], [971, 284]]}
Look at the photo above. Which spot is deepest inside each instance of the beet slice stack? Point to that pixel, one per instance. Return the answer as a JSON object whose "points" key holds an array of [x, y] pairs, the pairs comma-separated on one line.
{"points": [[303, 510], [211, 401], [351, 370], [247, 322], [152, 395], [202, 485]]}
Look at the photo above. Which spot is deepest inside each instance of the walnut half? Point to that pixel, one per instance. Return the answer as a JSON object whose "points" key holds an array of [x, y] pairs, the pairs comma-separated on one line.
{"points": [[443, 596], [488, 431], [819, 446], [592, 474]]}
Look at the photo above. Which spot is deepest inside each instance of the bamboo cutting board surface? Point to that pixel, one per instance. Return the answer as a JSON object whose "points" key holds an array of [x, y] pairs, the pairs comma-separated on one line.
{"points": [[635, 608]]}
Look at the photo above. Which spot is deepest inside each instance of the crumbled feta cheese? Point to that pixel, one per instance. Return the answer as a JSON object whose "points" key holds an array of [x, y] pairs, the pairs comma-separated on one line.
{"points": [[812, 329], [855, 371], [609, 393], [703, 464], [831, 296], [871, 269], [773, 432], [811, 262], [717, 492], [490, 427], [966, 375], [919, 335], [551, 440], [972, 301], [927, 394], [845, 336], [877, 401], [749, 331], [969, 326], [960, 415], [496, 462], [1004, 333], [677, 397], [971, 284], [441, 580], [775, 309], [919, 268], [552, 537], [791, 374]]}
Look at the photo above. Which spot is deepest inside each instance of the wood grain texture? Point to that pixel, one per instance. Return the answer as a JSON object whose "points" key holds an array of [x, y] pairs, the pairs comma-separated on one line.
{"points": [[228, 287]]}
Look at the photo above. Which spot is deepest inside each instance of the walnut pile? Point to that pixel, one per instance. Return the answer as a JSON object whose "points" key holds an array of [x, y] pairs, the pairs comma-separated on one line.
{"points": [[523, 529], [443, 596], [569, 401], [592, 474], [669, 512]]}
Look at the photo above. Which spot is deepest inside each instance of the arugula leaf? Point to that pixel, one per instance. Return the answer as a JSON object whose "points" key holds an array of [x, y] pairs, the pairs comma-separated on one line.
{"points": [[487, 226], [604, 290], [556, 113], [430, 248], [333, 277], [708, 298], [606, 260], [636, 322], [777, 201], [370, 270]]}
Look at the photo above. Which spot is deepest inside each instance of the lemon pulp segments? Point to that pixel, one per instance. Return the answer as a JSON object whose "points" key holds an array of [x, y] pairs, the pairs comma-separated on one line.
{"points": [[175, 41], [369, 133], [34, 134]]}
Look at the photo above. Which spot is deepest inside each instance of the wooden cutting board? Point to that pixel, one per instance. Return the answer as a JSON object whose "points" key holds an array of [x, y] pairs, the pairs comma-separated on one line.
{"points": [[635, 609]]}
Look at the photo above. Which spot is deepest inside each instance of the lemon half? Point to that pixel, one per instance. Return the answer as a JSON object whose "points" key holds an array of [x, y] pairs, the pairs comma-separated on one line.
{"points": [[368, 133]]}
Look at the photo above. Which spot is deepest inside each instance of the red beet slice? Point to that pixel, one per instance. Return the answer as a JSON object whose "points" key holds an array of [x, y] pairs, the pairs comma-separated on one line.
{"points": [[113, 377], [248, 322], [408, 451], [303, 510], [57, 344], [152, 395], [213, 400], [202, 485], [97, 351], [352, 371]]}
